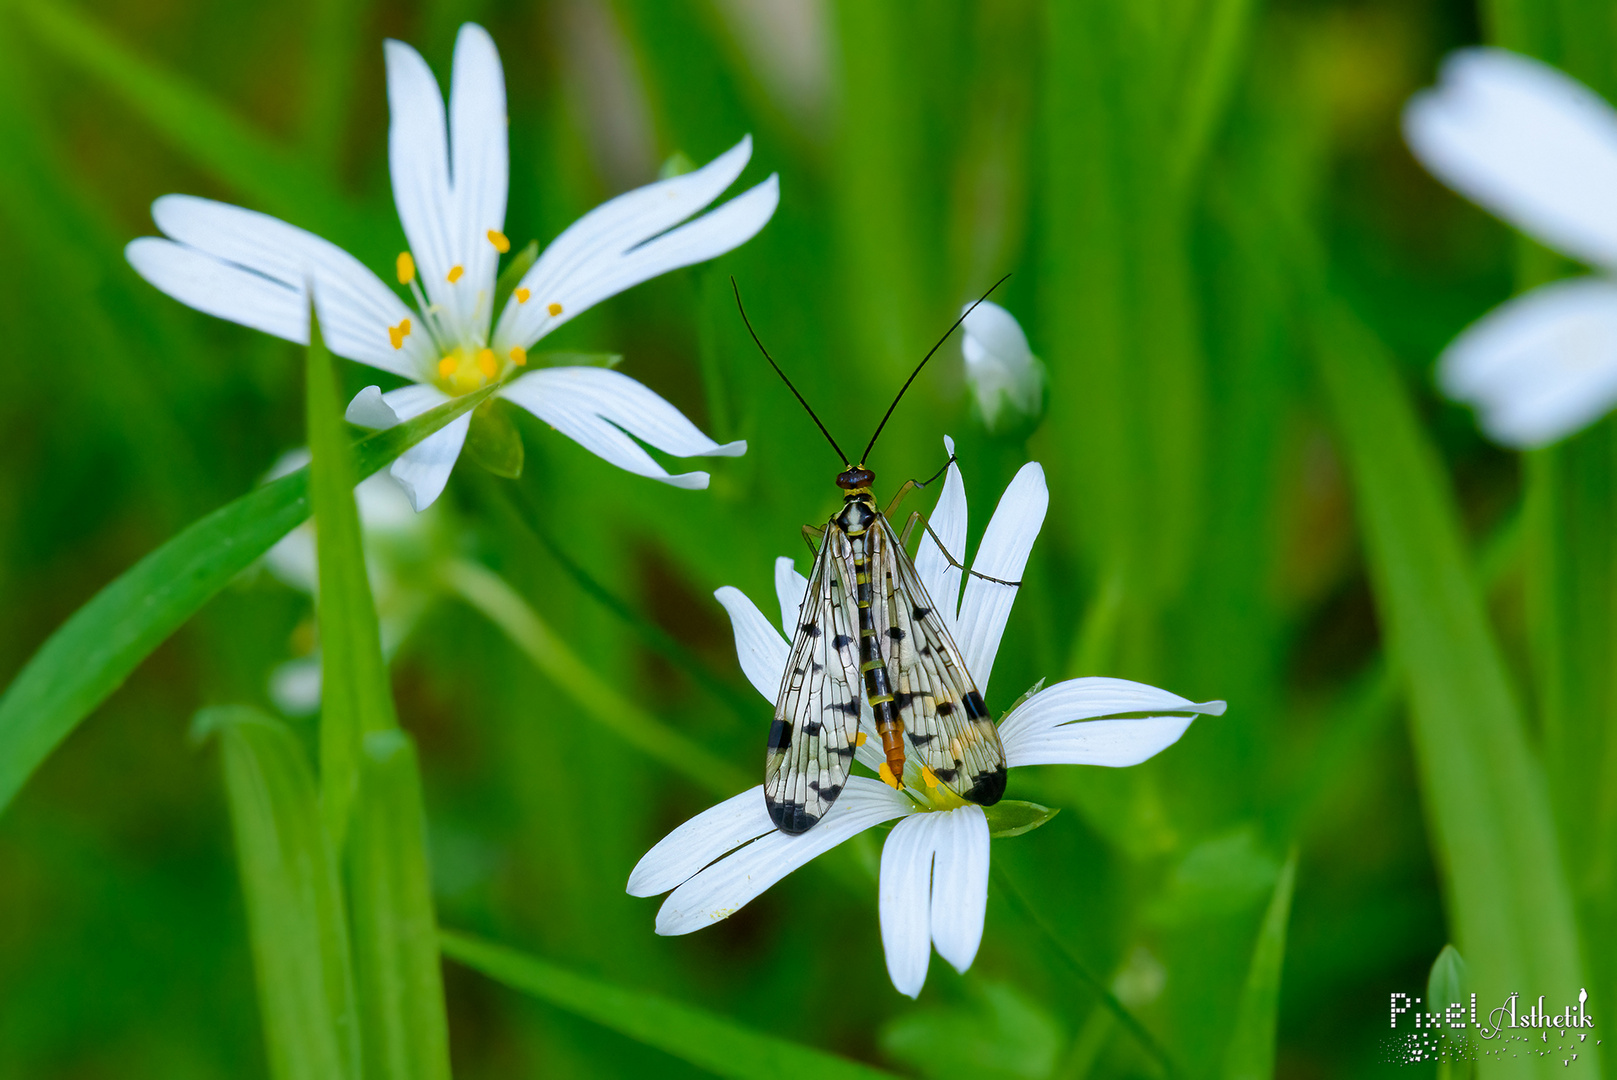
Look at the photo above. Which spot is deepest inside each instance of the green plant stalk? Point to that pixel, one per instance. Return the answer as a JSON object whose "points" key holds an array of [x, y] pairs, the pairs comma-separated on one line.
{"points": [[704, 1039], [1507, 891], [1251, 1051], [92, 653], [294, 901], [490, 595], [401, 991], [355, 697]]}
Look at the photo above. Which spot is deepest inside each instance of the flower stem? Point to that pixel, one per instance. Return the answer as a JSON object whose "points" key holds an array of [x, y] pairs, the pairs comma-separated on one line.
{"points": [[1107, 998]]}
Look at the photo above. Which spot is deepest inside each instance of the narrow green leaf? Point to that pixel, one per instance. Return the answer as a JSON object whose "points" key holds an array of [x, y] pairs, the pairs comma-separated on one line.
{"points": [[711, 1042], [493, 440], [193, 122], [496, 600], [294, 904], [100, 644], [1012, 817], [1509, 903], [395, 929], [1449, 981], [1251, 1051], [577, 359], [355, 697]]}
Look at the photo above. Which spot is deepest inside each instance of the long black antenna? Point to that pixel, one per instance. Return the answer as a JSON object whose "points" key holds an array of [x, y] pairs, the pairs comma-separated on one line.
{"points": [[783, 377], [871, 445]]}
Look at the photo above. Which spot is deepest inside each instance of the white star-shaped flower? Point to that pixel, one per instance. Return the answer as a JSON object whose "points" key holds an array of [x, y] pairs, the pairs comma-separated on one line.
{"points": [[450, 176], [1539, 149], [934, 866]]}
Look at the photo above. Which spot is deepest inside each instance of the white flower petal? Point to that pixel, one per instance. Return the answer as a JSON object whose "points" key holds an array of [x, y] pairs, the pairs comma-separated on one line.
{"points": [[1002, 554], [292, 561], [723, 888], [423, 470], [759, 648], [995, 331], [1041, 731], [905, 900], [356, 308], [1540, 366], [1526, 141], [699, 841], [791, 588], [295, 686], [631, 238], [960, 885], [948, 520], [595, 406], [999, 365], [479, 170], [418, 160], [370, 409]]}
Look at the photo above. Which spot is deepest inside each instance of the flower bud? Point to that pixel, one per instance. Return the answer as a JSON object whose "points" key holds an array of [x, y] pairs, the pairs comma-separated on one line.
{"points": [[1006, 379]]}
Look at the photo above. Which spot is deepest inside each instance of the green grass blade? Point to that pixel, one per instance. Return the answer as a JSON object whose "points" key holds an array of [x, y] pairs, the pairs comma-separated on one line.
{"points": [[356, 697], [1251, 1053], [500, 604], [1508, 898], [294, 903], [189, 119], [395, 929], [100, 644], [711, 1042]]}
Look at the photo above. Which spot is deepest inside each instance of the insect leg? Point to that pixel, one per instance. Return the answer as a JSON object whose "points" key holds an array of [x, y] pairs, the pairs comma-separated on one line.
{"points": [[904, 539], [812, 533], [916, 485]]}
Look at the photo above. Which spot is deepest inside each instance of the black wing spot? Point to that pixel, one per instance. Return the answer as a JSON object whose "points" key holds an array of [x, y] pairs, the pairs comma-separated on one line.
{"points": [[921, 740], [811, 629], [829, 792], [903, 699], [974, 705], [841, 641], [946, 775], [921, 613], [849, 707], [896, 633], [816, 667], [987, 787], [780, 735], [790, 817], [811, 728], [841, 751], [945, 708]]}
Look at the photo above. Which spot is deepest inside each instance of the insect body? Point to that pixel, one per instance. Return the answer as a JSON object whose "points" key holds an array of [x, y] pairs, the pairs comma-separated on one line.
{"points": [[867, 624]]}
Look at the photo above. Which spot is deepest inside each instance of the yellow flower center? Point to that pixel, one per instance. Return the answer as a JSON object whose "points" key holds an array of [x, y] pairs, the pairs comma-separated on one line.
{"points": [[465, 370]]}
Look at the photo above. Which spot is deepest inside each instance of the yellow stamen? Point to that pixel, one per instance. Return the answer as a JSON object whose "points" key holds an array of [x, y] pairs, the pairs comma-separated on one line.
{"points": [[522, 296], [860, 741], [929, 776], [497, 238], [455, 272], [554, 309], [397, 334], [887, 777], [406, 267], [485, 363], [519, 356], [447, 366]]}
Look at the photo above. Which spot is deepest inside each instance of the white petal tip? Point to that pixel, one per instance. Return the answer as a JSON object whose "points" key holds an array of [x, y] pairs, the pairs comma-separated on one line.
{"points": [[730, 449], [691, 481], [370, 410], [1211, 708], [948, 444]]}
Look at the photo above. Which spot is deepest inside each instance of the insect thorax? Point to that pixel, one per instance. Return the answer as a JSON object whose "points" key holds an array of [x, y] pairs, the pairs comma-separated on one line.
{"points": [[857, 513]]}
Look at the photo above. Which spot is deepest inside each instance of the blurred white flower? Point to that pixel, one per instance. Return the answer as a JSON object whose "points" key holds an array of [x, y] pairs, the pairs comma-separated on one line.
{"points": [[399, 547], [1001, 370], [934, 867], [449, 183], [1539, 149]]}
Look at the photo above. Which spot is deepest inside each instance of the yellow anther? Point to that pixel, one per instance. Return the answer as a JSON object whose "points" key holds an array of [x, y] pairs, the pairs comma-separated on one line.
{"points": [[397, 334], [887, 777], [497, 238], [455, 272], [554, 309], [929, 776], [519, 356], [406, 267], [860, 741], [447, 366], [485, 363], [522, 296]]}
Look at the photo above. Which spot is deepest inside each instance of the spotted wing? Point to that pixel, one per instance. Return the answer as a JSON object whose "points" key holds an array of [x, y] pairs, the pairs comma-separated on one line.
{"points": [[811, 741], [947, 725]]}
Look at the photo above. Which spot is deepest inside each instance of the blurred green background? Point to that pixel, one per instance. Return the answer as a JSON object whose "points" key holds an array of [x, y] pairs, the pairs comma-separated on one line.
{"points": [[1199, 200]]}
